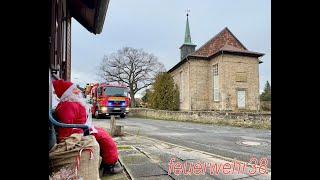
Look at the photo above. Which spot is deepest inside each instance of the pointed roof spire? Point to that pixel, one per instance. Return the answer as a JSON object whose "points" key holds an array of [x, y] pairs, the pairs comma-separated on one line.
{"points": [[187, 37]]}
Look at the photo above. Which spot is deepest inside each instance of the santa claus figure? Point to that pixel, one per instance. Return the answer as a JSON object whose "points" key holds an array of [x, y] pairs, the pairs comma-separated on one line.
{"points": [[72, 109]]}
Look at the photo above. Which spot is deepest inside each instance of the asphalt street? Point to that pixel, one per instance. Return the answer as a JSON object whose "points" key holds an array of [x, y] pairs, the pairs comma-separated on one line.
{"points": [[232, 142]]}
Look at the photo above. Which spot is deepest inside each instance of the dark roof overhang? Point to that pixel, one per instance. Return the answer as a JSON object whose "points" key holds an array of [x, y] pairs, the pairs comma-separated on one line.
{"points": [[89, 13], [248, 54]]}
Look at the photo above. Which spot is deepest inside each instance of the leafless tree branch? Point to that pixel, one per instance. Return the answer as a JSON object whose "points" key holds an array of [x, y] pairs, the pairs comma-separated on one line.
{"points": [[132, 66]]}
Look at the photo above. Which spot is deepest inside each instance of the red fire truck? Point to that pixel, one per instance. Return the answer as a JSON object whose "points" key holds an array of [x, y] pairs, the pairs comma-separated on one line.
{"points": [[108, 99]]}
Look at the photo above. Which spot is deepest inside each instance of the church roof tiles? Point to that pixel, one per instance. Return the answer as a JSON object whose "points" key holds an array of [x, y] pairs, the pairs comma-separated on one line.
{"points": [[223, 42]]}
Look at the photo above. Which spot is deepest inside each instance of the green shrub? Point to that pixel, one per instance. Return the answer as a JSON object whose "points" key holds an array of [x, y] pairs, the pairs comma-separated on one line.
{"points": [[165, 94]]}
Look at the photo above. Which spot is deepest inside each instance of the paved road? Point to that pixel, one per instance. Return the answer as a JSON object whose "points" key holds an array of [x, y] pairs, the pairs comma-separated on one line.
{"points": [[232, 142]]}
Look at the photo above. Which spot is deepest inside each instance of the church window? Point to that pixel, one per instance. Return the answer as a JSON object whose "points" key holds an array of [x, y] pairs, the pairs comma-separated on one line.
{"points": [[216, 92], [181, 86]]}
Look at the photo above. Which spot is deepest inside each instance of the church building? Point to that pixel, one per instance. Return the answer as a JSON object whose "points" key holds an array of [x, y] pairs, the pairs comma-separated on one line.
{"points": [[220, 75]]}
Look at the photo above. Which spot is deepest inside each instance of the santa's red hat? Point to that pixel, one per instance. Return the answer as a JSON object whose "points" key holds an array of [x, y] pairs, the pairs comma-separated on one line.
{"points": [[60, 86]]}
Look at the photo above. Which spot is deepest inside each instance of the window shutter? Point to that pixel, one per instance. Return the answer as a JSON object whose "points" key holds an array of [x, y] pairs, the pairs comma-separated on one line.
{"points": [[216, 93]]}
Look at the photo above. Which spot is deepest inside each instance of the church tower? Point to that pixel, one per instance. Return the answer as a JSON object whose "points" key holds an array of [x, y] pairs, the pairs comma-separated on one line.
{"points": [[187, 47]]}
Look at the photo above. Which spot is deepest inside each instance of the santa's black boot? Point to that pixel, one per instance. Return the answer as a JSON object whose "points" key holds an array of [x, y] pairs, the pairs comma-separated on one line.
{"points": [[112, 169]]}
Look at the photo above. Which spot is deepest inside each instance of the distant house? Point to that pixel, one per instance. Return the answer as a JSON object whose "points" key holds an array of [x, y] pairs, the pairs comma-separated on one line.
{"points": [[221, 75]]}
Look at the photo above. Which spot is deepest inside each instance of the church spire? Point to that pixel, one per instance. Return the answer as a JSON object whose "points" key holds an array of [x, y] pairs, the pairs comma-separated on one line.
{"points": [[187, 47], [187, 37]]}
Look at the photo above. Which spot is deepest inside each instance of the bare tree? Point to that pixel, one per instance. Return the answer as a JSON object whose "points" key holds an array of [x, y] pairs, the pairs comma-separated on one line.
{"points": [[132, 66]]}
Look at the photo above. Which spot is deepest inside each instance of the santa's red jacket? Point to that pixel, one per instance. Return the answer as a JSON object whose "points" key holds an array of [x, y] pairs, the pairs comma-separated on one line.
{"points": [[75, 113]]}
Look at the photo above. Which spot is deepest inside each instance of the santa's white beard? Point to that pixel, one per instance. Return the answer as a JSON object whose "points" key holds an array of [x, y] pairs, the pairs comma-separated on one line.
{"points": [[75, 98]]}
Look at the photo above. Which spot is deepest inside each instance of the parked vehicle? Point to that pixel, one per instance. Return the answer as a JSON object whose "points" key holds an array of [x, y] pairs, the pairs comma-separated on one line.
{"points": [[109, 99]]}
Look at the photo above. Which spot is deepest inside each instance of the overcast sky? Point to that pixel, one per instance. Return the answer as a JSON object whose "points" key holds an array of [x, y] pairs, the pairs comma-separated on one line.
{"points": [[158, 27]]}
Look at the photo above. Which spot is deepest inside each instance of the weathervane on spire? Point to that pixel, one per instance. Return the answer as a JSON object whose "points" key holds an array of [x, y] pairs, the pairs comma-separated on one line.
{"points": [[187, 47], [187, 11]]}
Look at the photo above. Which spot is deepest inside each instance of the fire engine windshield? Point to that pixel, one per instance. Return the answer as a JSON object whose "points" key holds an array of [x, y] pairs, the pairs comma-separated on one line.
{"points": [[116, 91]]}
